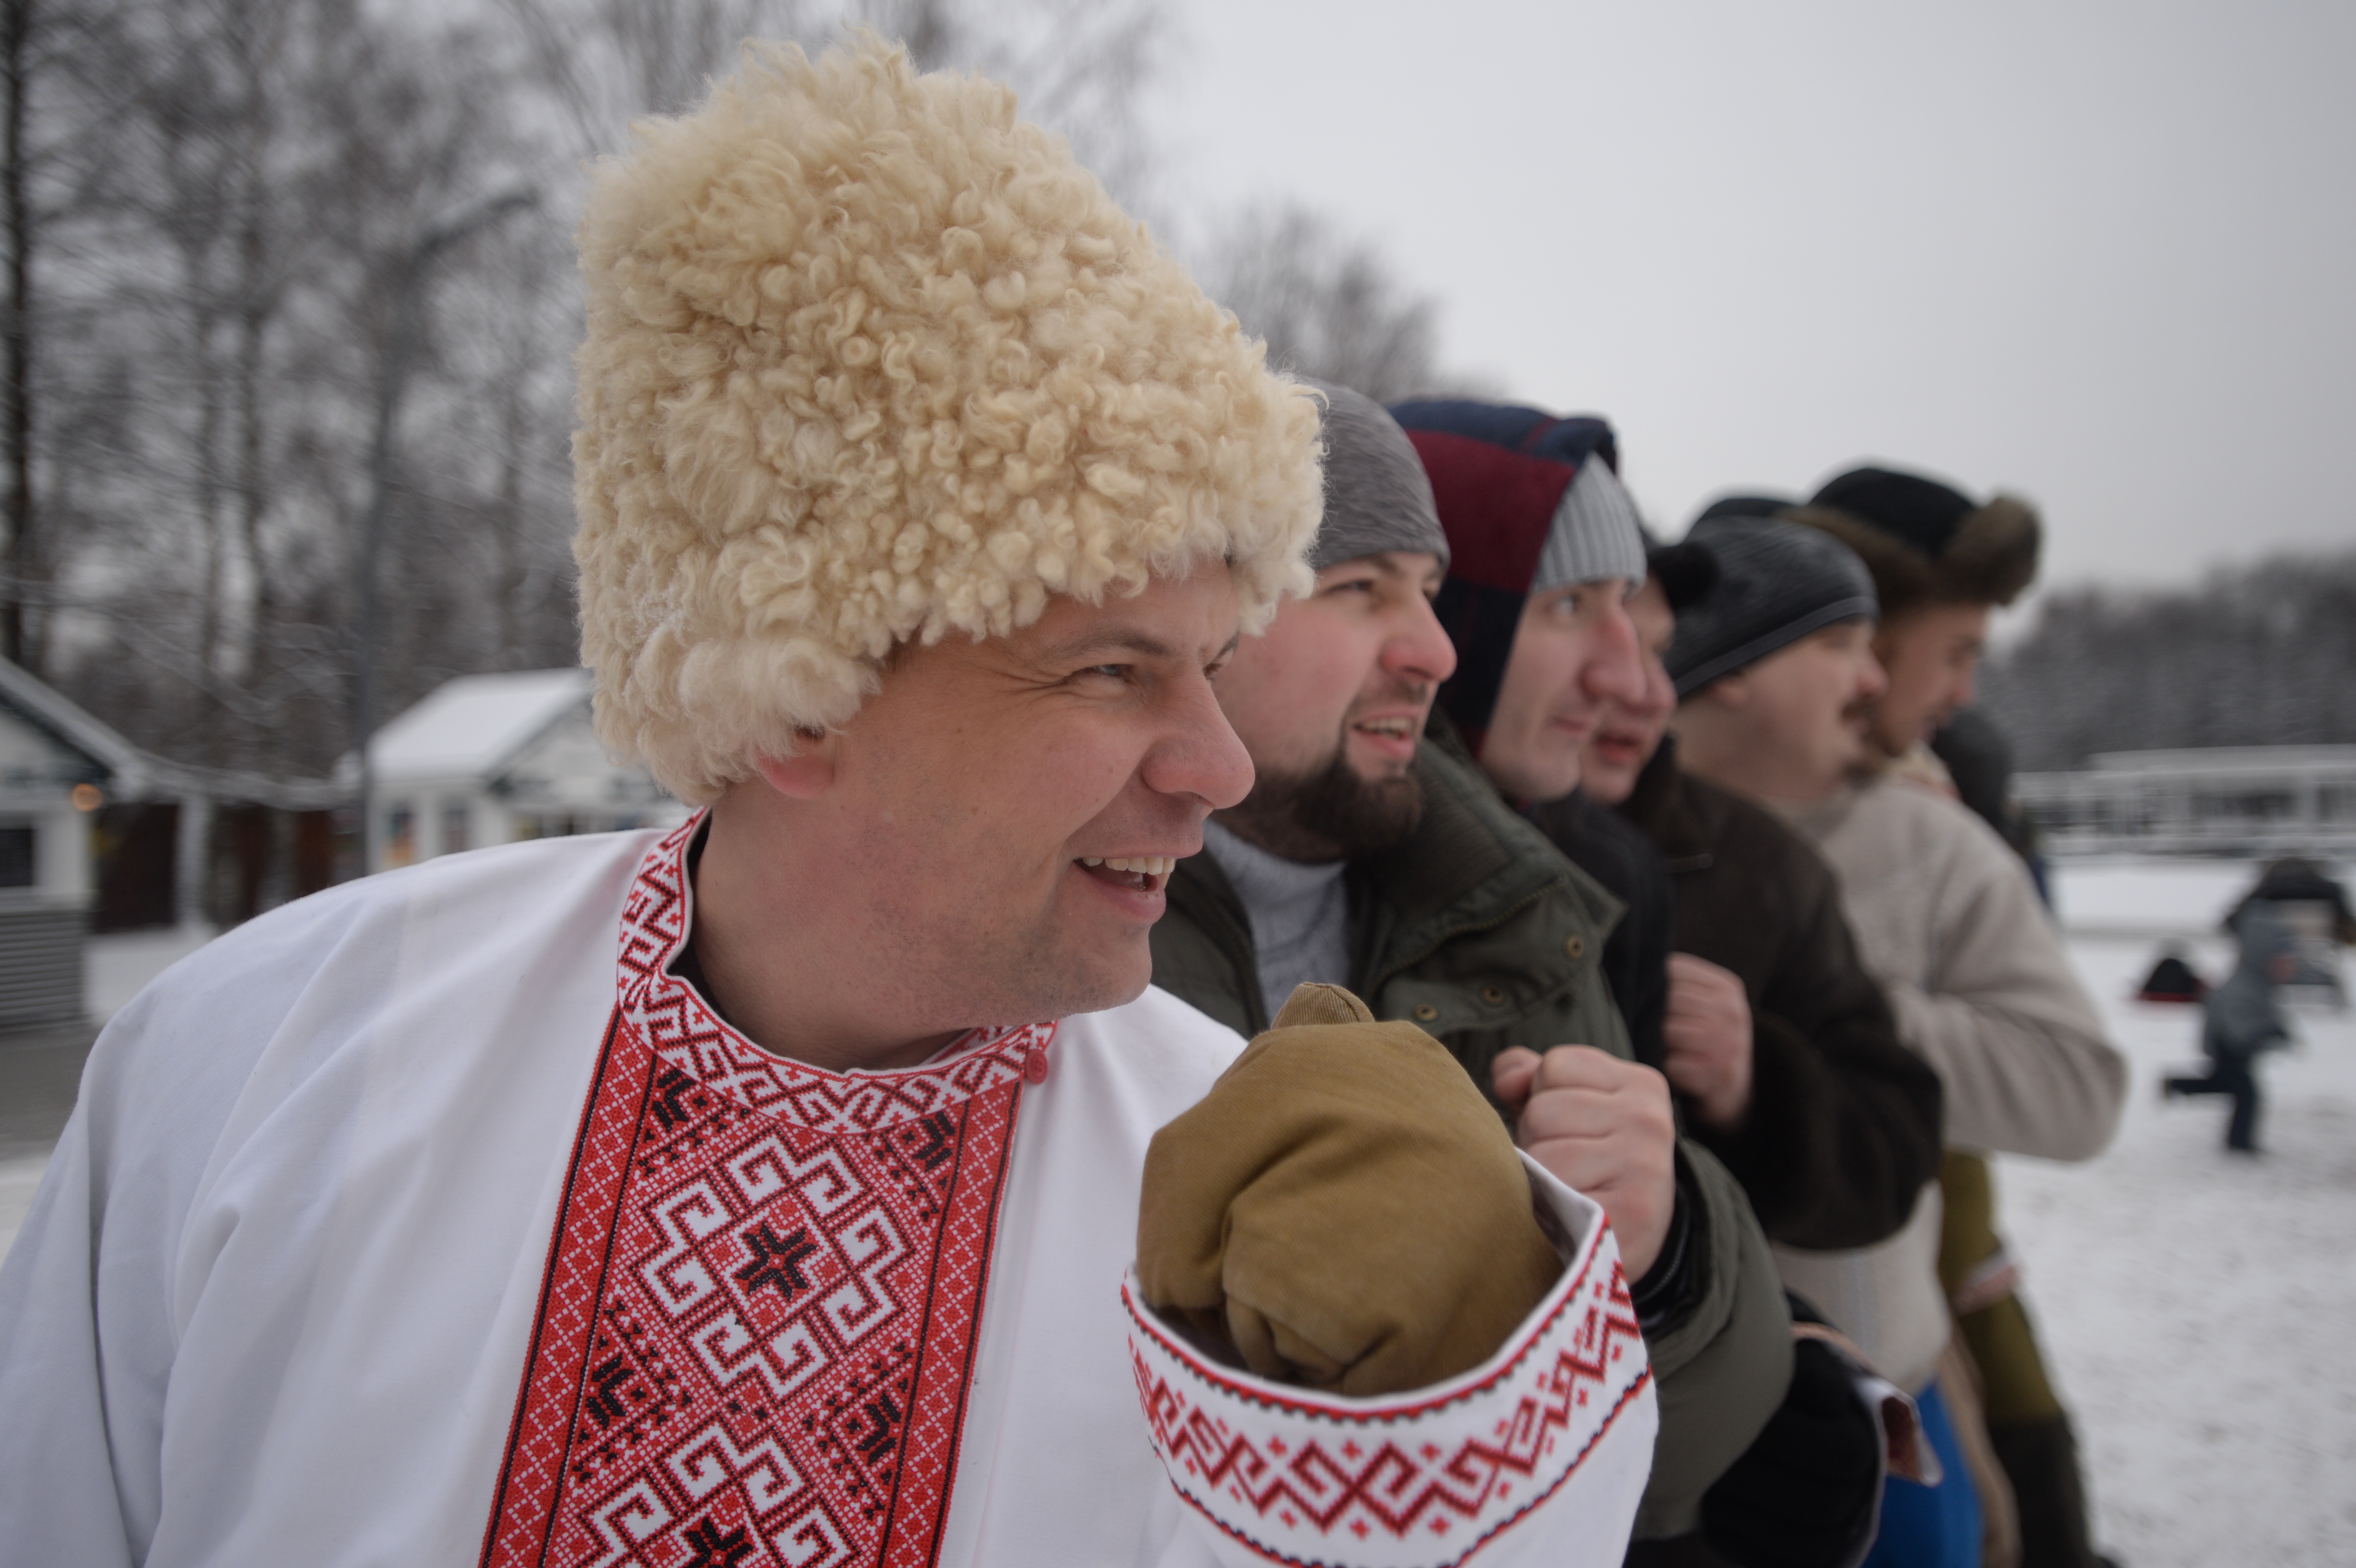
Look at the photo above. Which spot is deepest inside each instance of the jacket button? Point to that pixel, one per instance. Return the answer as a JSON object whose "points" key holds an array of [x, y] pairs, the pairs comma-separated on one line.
{"points": [[1576, 947], [1493, 995], [1426, 1012]]}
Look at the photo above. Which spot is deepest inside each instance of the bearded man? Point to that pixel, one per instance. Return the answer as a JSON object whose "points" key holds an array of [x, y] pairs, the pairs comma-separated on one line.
{"points": [[761, 1193], [1366, 856]]}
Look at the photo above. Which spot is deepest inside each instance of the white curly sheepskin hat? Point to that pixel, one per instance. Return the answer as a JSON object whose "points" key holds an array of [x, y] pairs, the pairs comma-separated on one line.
{"points": [[869, 358]]}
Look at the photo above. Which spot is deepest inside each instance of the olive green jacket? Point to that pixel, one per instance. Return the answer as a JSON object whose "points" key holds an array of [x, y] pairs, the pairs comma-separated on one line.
{"points": [[1479, 930]]}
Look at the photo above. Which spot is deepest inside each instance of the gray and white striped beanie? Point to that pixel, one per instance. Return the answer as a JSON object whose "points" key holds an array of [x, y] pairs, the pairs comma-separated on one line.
{"points": [[1595, 534]]}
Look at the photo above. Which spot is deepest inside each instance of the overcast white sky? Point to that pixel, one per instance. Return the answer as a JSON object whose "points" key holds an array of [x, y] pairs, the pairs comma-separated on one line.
{"points": [[2098, 253]]}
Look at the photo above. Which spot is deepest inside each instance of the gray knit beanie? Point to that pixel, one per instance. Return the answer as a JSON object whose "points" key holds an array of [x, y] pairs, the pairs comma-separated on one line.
{"points": [[1777, 581], [1377, 496]]}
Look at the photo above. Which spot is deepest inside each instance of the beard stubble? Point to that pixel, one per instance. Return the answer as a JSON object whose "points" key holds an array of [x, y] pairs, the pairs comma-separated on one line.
{"points": [[1327, 813]]}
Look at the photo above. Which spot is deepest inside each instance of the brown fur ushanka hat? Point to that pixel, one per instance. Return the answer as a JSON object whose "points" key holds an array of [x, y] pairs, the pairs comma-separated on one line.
{"points": [[1926, 543], [871, 359]]}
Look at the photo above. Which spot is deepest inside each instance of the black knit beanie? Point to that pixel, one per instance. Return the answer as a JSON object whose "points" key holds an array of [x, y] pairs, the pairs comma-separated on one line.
{"points": [[1745, 506], [1777, 583], [1686, 570]]}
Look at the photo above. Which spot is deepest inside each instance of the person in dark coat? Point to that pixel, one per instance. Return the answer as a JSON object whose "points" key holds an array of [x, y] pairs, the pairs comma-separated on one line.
{"points": [[1831, 1124], [1781, 1045]]}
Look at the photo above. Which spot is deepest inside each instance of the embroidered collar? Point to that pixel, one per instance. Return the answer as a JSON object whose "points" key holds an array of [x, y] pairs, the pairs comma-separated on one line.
{"points": [[684, 1030]]}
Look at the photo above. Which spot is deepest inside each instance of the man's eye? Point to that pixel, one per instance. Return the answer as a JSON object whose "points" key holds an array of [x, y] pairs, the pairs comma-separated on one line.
{"points": [[1115, 671]]}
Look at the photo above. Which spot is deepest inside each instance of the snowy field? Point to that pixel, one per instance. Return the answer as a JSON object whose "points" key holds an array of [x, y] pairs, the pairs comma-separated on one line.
{"points": [[2199, 1310]]}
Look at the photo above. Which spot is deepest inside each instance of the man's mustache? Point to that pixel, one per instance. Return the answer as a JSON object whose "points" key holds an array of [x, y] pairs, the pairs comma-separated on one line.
{"points": [[1399, 693]]}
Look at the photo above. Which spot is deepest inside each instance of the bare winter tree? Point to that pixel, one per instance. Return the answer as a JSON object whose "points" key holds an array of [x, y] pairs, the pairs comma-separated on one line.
{"points": [[215, 208], [281, 158], [1078, 64], [59, 136], [1329, 305]]}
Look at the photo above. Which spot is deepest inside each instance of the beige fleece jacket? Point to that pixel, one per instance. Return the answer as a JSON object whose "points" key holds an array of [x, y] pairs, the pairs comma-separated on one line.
{"points": [[1948, 921]]}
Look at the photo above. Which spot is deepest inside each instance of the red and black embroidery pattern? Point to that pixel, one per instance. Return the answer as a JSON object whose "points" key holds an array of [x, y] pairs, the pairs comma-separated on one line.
{"points": [[1417, 1480], [759, 1319]]}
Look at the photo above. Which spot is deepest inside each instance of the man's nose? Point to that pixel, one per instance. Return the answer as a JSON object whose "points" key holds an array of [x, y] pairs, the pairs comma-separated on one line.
{"points": [[1614, 666], [1872, 680], [1660, 691], [1418, 648], [1199, 753]]}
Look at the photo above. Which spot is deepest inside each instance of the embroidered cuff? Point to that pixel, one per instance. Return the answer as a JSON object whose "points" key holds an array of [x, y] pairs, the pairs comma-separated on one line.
{"points": [[1549, 1441]]}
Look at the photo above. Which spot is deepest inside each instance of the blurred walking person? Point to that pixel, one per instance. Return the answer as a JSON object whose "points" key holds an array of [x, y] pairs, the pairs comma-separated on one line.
{"points": [[2240, 1020]]}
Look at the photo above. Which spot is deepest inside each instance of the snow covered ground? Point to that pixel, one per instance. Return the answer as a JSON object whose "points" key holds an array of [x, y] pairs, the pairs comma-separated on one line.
{"points": [[2199, 1310]]}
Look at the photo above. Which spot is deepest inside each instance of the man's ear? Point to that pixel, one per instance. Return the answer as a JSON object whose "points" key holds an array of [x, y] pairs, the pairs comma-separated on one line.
{"points": [[806, 774]]}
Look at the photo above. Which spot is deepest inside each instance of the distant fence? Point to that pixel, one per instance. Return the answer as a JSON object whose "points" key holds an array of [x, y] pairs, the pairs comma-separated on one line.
{"points": [[2255, 801]]}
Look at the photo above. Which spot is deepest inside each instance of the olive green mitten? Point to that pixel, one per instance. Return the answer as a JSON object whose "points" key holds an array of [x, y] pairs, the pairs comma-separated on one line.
{"points": [[1344, 1208]]}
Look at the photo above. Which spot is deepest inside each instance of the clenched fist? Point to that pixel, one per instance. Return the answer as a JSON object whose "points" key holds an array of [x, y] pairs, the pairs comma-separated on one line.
{"points": [[1708, 1031], [1603, 1127]]}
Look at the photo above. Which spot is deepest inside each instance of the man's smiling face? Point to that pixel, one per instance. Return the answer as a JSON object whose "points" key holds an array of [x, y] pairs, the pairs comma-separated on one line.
{"points": [[1331, 703], [998, 823]]}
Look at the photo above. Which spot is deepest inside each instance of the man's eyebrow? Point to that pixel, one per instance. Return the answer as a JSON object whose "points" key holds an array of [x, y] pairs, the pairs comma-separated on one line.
{"points": [[1384, 563], [1085, 646]]}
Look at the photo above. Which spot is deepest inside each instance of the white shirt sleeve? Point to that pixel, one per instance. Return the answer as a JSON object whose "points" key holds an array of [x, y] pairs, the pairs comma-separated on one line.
{"points": [[87, 1335], [1539, 1455]]}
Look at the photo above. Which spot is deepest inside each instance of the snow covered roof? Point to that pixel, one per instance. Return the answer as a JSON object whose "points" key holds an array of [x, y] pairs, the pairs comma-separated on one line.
{"points": [[131, 773], [49, 711], [469, 727]]}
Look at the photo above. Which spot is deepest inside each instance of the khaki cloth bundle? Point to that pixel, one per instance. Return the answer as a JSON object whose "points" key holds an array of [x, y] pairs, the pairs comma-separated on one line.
{"points": [[1342, 1207]]}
